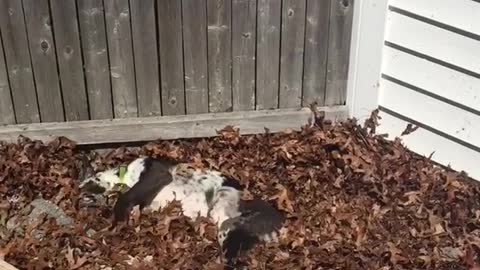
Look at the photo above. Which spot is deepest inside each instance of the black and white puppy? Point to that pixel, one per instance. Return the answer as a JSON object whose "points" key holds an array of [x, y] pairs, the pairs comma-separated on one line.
{"points": [[242, 224], [155, 182]]}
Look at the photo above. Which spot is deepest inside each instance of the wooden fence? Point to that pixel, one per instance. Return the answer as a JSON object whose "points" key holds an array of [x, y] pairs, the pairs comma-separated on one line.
{"points": [[67, 60]]}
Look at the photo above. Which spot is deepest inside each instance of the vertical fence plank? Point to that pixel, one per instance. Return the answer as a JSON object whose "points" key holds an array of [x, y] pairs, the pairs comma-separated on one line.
{"points": [[17, 57], [341, 17], [120, 50], [44, 62], [171, 56], [316, 49], [195, 55], [144, 33], [7, 114], [95, 54], [244, 14], [291, 58], [219, 14], [268, 53], [69, 55]]}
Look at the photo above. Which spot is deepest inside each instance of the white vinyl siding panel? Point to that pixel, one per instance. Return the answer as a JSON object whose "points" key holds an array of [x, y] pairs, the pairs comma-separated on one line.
{"points": [[449, 119], [434, 41], [461, 14], [424, 142], [431, 77], [436, 79]]}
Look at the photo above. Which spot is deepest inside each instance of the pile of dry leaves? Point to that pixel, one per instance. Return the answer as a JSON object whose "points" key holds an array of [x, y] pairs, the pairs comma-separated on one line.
{"points": [[353, 201]]}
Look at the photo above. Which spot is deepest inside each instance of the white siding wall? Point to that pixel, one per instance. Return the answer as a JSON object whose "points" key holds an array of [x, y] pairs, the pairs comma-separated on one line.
{"points": [[431, 77]]}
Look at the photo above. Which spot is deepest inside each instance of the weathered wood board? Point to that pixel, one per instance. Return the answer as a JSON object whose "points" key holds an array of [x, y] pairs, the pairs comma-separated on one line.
{"points": [[168, 127], [144, 34], [341, 18], [95, 54], [195, 55], [171, 56], [292, 51], [44, 62], [268, 53], [120, 49], [244, 25], [219, 55], [17, 57], [69, 57], [316, 52]]}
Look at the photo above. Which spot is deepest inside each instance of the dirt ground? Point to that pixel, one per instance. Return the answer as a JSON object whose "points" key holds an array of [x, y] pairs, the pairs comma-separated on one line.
{"points": [[353, 201]]}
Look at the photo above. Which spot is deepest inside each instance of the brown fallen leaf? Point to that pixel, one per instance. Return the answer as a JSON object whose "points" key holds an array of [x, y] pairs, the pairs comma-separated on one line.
{"points": [[283, 202], [409, 129], [396, 254], [74, 263], [426, 260]]}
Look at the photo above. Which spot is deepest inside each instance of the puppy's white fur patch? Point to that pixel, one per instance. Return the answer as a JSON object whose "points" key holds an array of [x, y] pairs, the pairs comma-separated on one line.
{"points": [[225, 204], [190, 195], [190, 191]]}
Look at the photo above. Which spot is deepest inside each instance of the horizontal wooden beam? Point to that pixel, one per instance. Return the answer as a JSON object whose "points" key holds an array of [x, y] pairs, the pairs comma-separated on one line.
{"points": [[167, 127]]}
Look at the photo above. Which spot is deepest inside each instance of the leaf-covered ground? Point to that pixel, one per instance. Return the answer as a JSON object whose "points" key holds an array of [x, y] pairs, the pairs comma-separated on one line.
{"points": [[353, 201]]}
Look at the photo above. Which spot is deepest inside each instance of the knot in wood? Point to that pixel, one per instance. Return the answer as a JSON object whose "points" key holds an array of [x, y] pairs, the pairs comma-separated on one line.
{"points": [[290, 12], [68, 50], [44, 45]]}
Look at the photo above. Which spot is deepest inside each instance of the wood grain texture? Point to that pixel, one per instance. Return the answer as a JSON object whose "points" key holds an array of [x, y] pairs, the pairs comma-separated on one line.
{"points": [[144, 33], [195, 55], [44, 62], [341, 17], [316, 51], [171, 56], [244, 14], [95, 54], [169, 127], [219, 14], [122, 70], [7, 114], [69, 57], [17, 57], [268, 53], [291, 57]]}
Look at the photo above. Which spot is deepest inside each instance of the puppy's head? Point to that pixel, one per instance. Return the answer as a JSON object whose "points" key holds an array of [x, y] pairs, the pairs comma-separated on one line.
{"points": [[101, 182]]}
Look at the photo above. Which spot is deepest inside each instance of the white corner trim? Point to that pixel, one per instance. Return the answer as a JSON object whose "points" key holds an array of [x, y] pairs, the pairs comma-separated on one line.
{"points": [[368, 33]]}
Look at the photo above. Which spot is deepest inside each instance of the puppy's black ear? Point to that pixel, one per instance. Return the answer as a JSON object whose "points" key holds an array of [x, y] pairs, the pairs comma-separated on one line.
{"points": [[231, 182], [91, 187]]}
